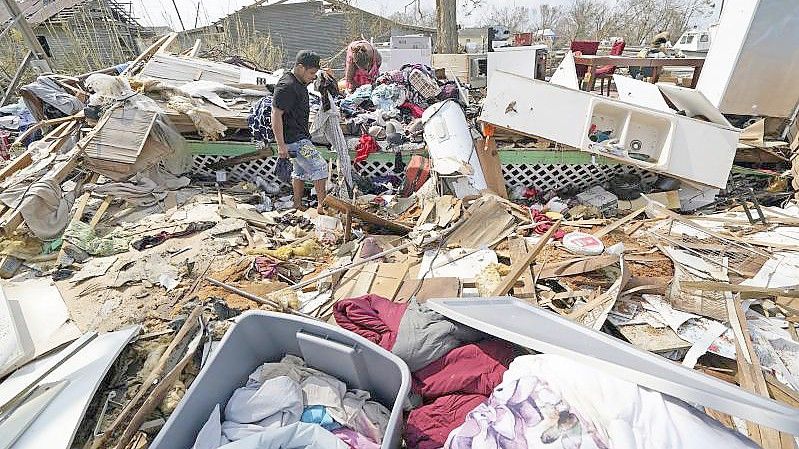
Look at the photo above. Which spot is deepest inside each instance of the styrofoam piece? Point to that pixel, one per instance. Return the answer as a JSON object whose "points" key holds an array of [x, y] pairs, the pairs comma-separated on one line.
{"points": [[583, 244], [547, 332], [23, 416], [257, 337], [566, 73], [56, 426], [450, 142], [640, 93]]}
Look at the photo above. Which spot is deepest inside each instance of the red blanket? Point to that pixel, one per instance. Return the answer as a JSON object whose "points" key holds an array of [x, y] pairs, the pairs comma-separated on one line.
{"points": [[428, 426], [372, 317], [471, 369]]}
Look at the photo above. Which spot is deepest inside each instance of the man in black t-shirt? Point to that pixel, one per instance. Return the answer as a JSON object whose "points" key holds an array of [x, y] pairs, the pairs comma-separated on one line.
{"points": [[290, 113]]}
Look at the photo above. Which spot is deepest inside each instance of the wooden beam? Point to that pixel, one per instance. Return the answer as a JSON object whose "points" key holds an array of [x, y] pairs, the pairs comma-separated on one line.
{"points": [[750, 373], [167, 43], [100, 211], [152, 378], [368, 217], [712, 286], [151, 50], [12, 86], [25, 159], [196, 48], [518, 249], [518, 267], [618, 223]]}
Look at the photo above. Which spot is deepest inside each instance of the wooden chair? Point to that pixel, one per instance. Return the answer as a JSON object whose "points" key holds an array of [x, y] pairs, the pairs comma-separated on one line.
{"points": [[585, 48], [606, 71]]}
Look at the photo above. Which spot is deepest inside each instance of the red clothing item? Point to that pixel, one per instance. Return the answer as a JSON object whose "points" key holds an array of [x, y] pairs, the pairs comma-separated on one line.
{"points": [[372, 317], [429, 425], [471, 369], [366, 146]]}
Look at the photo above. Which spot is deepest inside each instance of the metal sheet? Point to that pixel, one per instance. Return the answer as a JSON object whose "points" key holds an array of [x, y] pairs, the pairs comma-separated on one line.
{"points": [[19, 419], [56, 426], [543, 331], [27, 377]]}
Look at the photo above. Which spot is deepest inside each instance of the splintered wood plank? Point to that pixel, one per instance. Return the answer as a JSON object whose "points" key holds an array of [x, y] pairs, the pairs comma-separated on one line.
{"points": [[389, 279], [723, 418], [488, 156], [431, 288], [518, 248], [364, 281], [346, 284], [750, 373], [100, 211], [524, 262]]}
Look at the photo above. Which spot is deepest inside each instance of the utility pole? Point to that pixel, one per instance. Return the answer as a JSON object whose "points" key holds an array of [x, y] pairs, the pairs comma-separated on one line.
{"points": [[179, 18], [446, 26], [27, 32]]}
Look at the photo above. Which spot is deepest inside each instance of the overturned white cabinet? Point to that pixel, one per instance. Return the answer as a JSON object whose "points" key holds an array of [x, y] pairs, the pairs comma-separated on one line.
{"points": [[664, 142]]}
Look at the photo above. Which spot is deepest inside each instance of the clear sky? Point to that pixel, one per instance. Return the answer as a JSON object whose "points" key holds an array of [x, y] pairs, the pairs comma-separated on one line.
{"points": [[161, 12]]}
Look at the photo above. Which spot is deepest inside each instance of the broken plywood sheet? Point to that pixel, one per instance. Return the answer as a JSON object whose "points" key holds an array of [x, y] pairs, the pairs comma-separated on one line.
{"points": [[688, 267], [431, 288], [653, 339], [442, 211], [486, 221], [456, 263], [518, 249], [122, 137], [388, 279]]}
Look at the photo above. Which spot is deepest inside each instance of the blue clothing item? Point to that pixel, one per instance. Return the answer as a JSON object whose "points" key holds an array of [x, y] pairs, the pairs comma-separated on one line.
{"points": [[317, 414], [309, 165]]}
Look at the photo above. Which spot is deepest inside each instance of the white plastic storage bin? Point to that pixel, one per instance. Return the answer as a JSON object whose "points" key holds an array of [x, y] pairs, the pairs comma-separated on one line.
{"points": [[258, 337]]}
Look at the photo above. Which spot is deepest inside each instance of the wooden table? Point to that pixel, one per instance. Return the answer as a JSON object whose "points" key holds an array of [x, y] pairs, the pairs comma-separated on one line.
{"points": [[657, 64]]}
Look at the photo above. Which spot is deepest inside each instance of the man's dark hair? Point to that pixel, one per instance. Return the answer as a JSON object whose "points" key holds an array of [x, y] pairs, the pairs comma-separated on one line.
{"points": [[308, 59]]}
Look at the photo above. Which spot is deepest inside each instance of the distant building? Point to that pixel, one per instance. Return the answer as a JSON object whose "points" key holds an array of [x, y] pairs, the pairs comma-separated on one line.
{"points": [[325, 27], [79, 34]]}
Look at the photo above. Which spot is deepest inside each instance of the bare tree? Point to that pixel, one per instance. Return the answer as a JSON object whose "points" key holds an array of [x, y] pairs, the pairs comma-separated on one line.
{"points": [[635, 20], [549, 16], [517, 18], [419, 17], [446, 26]]}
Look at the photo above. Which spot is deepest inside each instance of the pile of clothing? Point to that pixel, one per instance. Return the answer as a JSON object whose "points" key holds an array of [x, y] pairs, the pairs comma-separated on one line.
{"points": [[400, 96], [454, 368], [288, 404], [548, 401]]}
